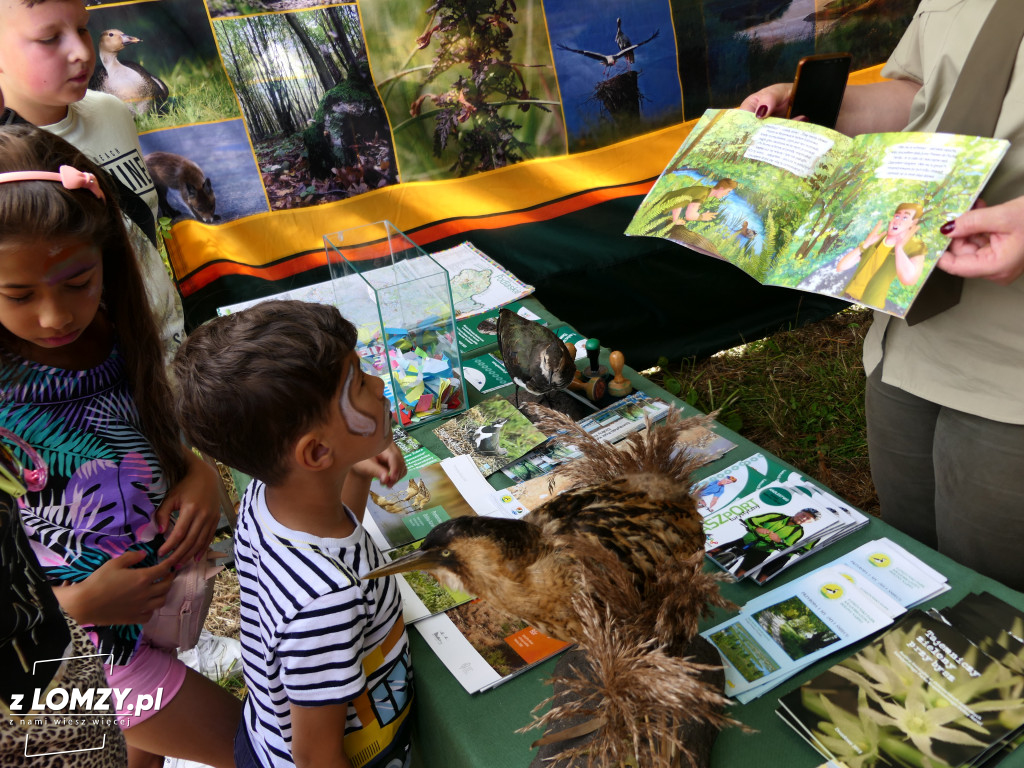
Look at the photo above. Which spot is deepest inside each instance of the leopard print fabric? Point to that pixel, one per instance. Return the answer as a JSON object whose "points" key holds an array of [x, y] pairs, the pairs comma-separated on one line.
{"points": [[33, 629], [97, 740]]}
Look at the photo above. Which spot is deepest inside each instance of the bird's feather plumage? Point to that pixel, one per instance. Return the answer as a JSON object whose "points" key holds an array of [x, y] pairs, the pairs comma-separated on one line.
{"points": [[614, 563], [127, 80], [535, 358], [633, 502]]}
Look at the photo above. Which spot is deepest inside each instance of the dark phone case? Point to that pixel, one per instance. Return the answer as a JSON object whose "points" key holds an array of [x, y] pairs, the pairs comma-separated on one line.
{"points": [[819, 86]]}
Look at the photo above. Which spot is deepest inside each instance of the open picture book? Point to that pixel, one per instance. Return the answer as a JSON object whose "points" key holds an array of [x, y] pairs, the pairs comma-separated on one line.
{"points": [[797, 205]]}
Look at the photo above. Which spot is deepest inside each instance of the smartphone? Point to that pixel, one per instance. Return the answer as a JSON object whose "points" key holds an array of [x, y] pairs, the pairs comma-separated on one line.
{"points": [[819, 86]]}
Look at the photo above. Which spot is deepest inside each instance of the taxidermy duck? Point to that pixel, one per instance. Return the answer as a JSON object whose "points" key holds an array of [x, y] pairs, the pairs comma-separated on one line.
{"points": [[535, 358], [613, 563], [127, 80]]}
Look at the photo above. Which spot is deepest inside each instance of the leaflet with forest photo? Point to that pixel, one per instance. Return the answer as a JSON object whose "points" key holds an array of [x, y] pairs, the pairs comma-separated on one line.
{"points": [[798, 205], [609, 425], [612, 425], [796, 625]]}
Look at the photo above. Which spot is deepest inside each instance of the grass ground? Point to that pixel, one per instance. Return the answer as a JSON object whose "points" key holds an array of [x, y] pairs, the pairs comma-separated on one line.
{"points": [[798, 394]]}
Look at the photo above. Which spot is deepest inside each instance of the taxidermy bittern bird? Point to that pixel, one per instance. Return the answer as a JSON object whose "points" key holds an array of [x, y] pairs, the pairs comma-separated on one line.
{"points": [[535, 358], [613, 563]]}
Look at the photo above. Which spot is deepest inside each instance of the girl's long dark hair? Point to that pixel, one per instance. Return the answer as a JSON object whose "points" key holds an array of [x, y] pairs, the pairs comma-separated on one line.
{"points": [[46, 211]]}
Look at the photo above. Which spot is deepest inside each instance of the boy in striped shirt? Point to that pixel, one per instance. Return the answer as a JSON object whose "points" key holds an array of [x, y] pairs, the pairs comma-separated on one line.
{"points": [[276, 391]]}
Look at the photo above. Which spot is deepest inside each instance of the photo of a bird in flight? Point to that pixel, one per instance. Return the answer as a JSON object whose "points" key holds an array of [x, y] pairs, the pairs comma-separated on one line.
{"points": [[623, 42], [610, 59]]}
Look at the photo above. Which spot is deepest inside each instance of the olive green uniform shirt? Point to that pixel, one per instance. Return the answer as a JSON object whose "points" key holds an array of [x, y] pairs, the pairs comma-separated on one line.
{"points": [[970, 357]]}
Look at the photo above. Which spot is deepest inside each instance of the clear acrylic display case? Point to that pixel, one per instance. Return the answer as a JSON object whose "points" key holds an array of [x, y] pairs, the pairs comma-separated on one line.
{"points": [[400, 300]]}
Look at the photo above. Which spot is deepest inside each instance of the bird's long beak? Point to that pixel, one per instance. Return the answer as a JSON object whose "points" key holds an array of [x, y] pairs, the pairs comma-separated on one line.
{"points": [[414, 561]]}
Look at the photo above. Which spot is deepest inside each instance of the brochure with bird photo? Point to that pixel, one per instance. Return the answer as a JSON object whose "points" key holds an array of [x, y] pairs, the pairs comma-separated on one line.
{"points": [[406, 513], [922, 694], [494, 433], [429, 495], [422, 594], [797, 205]]}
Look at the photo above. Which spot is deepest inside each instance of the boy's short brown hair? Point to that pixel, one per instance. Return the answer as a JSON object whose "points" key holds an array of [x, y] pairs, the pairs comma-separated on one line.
{"points": [[251, 383]]}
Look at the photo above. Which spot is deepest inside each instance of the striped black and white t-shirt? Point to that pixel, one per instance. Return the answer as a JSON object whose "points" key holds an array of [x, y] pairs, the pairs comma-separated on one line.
{"points": [[314, 634]]}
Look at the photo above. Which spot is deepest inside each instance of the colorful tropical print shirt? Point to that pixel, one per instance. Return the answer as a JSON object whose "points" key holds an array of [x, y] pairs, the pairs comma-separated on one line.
{"points": [[104, 483]]}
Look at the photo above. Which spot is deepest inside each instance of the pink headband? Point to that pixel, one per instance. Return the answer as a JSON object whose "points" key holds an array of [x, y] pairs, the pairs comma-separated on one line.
{"points": [[71, 178]]}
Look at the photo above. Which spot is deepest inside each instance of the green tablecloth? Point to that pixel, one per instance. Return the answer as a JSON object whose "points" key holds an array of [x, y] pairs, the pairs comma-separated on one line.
{"points": [[453, 729]]}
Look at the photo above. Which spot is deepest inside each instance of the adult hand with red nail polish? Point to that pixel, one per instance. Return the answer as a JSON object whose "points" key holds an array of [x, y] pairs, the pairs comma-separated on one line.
{"points": [[988, 243], [772, 101]]}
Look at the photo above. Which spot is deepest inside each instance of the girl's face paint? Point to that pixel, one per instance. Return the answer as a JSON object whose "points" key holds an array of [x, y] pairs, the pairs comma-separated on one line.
{"points": [[357, 389], [49, 292]]}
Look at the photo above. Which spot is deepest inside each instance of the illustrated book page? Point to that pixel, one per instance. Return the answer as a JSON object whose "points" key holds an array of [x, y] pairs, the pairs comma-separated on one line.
{"points": [[797, 205]]}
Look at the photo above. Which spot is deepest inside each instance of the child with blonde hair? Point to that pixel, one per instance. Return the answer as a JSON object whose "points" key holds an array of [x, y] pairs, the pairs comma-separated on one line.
{"points": [[46, 61]]}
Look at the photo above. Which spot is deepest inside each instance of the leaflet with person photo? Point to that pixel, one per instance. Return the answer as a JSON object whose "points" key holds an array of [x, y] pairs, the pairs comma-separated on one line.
{"points": [[761, 516], [798, 205], [849, 520]]}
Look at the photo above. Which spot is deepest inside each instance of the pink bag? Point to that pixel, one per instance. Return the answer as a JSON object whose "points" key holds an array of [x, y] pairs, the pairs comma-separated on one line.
{"points": [[179, 621]]}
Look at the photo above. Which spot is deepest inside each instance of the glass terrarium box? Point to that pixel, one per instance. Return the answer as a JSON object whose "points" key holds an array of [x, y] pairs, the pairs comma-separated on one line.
{"points": [[400, 300]]}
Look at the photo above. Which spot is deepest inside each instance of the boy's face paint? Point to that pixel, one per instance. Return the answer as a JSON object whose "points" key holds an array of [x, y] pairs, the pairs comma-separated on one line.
{"points": [[358, 421], [361, 426]]}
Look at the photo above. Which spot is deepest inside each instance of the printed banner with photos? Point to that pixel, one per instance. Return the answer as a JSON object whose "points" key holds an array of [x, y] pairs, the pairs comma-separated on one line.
{"points": [[285, 121]]}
